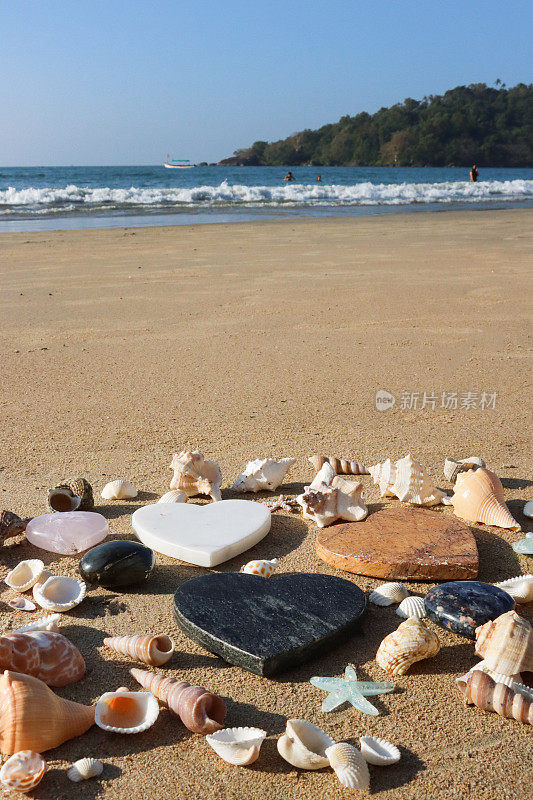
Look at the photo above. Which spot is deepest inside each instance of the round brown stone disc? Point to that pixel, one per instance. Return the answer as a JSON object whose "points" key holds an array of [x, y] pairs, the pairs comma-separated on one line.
{"points": [[403, 543]]}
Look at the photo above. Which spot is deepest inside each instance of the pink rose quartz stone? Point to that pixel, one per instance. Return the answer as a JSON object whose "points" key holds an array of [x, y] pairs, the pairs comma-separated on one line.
{"points": [[68, 532]]}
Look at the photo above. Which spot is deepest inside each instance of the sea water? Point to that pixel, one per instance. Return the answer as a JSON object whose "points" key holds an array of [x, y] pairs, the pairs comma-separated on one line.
{"points": [[37, 198]]}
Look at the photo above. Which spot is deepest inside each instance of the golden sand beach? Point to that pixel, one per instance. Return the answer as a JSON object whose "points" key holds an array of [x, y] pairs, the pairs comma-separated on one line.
{"points": [[123, 346]]}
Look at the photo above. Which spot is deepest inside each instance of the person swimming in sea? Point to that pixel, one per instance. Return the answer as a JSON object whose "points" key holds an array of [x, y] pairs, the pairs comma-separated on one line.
{"points": [[319, 179], [473, 174], [289, 177]]}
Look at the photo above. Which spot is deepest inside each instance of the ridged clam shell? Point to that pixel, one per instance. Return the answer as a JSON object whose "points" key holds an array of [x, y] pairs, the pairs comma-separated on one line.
{"points": [[412, 607], [84, 769], [174, 496], [349, 765], [126, 712], [506, 644], [378, 751], [23, 771], [152, 650], [59, 593], [304, 745], [49, 623], [25, 574], [239, 746], [80, 487], [412, 641], [264, 568], [388, 593], [520, 588], [119, 490]]}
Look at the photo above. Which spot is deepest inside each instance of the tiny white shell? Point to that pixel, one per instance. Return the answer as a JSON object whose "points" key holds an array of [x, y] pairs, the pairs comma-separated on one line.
{"points": [[49, 623], [239, 746], [304, 745], [84, 769], [528, 509], [412, 607], [22, 604], [25, 574], [174, 496], [59, 593], [388, 593], [520, 588], [379, 751], [349, 765], [109, 718], [119, 490]]}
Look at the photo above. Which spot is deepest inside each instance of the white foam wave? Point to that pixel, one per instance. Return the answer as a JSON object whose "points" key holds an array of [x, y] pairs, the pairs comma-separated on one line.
{"points": [[71, 198]]}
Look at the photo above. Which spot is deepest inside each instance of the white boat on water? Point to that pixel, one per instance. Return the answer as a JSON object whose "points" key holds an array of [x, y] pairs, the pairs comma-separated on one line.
{"points": [[177, 163]]}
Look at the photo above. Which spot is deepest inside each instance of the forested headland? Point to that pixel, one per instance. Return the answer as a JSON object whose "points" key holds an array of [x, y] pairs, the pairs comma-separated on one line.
{"points": [[469, 124]]}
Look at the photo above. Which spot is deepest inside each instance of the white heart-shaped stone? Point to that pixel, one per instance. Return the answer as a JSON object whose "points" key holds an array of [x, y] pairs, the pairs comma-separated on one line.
{"points": [[202, 535]]}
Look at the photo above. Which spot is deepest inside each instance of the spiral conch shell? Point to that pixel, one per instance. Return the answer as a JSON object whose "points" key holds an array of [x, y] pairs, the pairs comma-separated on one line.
{"points": [[152, 650], [349, 765], [32, 717], [78, 487], [506, 644], [45, 655], [499, 693], [478, 497], [263, 474], [199, 710], [412, 641], [194, 475], [84, 769], [406, 480], [341, 465], [239, 746], [330, 497], [23, 771]]}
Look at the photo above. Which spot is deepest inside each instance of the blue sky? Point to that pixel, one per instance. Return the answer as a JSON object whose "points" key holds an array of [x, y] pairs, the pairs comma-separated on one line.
{"points": [[125, 81]]}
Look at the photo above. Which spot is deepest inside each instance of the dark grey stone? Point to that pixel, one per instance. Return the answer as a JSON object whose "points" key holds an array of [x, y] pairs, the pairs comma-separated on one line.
{"points": [[116, 564], [461, 606], [267, 625]]}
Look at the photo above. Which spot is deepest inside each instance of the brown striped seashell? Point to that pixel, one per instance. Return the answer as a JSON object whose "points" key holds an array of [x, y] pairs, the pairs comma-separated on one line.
{"points": [[61, 499], [79, 487], [151, 650], [32, 717], [11, 524], [23, 771], [412, 641], [478, 497], [499, 693], [341, 465], [506, 644], [199, 710], [194, 475], [45, 655]]}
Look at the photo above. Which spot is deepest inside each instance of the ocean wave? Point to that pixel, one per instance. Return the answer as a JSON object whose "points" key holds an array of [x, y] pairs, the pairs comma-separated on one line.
{"points": [[83, 198]]}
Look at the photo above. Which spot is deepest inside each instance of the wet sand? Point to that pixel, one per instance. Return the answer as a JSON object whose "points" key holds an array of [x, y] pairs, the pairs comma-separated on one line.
{"points": [[121, 347]]}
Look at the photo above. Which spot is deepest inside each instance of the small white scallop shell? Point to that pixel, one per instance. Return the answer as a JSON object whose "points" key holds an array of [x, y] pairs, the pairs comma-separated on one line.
{"points": [[304, 745], [84, 769], [49, 623], [412, 607], [22, 604], [528, 509], [59, 593], [174, 496], [25, 574], [349, 765], [379, 751], [23, 771], [520, 588], [239, 746], [119, 490], [126, 712], [388, 593]]}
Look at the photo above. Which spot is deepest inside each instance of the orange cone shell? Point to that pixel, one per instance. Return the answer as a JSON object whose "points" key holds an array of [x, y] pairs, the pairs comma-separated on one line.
{"points": [[32, 717], [478, 497]]}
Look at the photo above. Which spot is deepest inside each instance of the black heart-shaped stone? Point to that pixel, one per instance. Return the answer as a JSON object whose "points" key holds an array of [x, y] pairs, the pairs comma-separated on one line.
{"points": [[266, 625]]}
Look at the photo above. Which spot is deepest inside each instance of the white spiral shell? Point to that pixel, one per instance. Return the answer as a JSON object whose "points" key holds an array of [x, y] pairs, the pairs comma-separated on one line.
{"points": [[84, 769], [412, 607], [349, 765], [388, 593]]}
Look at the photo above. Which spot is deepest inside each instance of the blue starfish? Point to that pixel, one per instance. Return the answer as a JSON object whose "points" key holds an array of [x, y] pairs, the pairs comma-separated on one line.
{"points": [[349, 689]]}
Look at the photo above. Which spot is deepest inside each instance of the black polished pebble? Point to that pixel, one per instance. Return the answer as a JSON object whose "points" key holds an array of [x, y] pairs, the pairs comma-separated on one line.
{"points": [[116, 564], [461, 606], [267, 625]]}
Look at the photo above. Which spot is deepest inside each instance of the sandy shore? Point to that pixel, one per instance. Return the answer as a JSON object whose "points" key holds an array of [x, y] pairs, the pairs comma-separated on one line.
{"points": [[123, 346]]}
